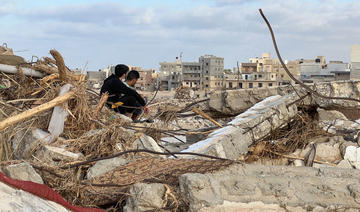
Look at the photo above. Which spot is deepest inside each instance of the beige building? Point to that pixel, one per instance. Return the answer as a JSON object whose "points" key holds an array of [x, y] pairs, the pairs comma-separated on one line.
{"points": [[249, 80], [355, 62], [146, 82], [170, 75], [192, 75], [267, 64], [292, 66]]}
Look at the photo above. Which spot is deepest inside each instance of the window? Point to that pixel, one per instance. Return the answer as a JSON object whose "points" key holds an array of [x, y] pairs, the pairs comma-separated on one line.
{"points": [[270, 84], [250, 85], [260, 85], [207, 72], [246, 77], [187, 83], [207, 64], [282, 76], [240, 84], [206, 85], [260, 76], [230, 85]]}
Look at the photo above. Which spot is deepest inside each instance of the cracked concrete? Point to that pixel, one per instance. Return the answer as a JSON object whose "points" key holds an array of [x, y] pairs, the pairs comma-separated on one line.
{"points": [[277, 187]]}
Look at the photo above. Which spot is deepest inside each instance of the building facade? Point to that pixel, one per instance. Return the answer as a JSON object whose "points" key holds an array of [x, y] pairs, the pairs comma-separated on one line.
{"points": [[355, 62], [192, 75], [196, 75], [147, 79], [212, 69]]}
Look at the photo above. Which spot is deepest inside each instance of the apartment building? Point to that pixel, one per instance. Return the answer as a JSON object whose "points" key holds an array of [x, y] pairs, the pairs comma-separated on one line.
{"points": [[192, 75], [170, 75], [267, 64], [212, 69], [196, 75], [147, 79]]}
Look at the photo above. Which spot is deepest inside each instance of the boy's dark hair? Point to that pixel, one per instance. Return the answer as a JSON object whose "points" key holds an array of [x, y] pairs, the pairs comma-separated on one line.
{"points": [[121, 69], [133, 75]]}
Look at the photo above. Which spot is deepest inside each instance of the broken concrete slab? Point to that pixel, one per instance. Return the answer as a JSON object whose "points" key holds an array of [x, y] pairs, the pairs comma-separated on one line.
{"points": [[25, 141], [147, 142], [352, 154], [330, 188], [236, 101], [257, 122], [233, 102], [19, 200], [146, 197], [103, 166], [53, 155], [22, 171], [330, 115]]}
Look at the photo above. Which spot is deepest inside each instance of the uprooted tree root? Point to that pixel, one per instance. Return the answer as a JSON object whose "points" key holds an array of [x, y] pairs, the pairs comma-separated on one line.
{"points": [[285, 140]]}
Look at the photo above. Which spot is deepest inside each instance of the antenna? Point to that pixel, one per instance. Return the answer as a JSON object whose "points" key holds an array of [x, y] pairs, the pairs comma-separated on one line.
{"points": [[181, 54]]}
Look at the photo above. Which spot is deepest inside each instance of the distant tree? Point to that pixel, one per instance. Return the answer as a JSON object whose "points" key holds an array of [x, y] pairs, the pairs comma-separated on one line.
{"points": [[228, 71]]}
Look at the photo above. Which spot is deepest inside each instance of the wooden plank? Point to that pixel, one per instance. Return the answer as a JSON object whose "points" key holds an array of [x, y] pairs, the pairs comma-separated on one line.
{"points": [[29, 113]]}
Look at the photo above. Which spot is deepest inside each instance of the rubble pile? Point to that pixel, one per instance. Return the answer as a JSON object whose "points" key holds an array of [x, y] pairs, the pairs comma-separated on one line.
{"points": [[55, 133], [52, 132], [184, 93]]}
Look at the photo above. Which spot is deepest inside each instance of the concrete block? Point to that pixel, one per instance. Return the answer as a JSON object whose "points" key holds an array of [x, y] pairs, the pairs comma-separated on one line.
{"points": [[53, 155], [103, 166], [294, 188], [25, 141], [23, 171], [146, 142], [145, 197], [19, 200]]}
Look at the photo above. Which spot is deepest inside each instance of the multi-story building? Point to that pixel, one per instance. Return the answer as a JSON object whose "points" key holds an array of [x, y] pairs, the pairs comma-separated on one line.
{"points": [[197, 75], [355, 62], [192, 75], [282, 76], [250, 80], [146, 80], [271, 65], [212, 69], [170, 75]]}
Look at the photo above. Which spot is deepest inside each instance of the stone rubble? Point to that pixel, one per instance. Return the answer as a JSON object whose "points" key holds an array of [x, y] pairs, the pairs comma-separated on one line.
{"points": [[19, 200], [145, 197], [234, 139], [52, 155], [103, 166], [330, 185], [22, 171], [273, 187], [24, 142]]}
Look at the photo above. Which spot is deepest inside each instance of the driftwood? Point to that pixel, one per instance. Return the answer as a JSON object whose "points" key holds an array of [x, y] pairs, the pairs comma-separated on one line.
{"points": [[63, 72], [45, 68], [29, 113], [98, 108], [201, 113]]}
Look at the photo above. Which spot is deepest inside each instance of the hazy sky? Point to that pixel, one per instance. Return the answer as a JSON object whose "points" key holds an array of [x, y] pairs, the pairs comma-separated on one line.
{"points": [[144, 33]]}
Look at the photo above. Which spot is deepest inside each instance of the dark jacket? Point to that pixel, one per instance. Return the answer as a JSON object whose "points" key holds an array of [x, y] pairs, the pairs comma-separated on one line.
{"points": [[115, 88]]}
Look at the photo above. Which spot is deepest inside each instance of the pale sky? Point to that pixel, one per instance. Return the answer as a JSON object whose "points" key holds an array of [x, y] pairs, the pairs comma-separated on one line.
{"points": [[146, 32]]}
